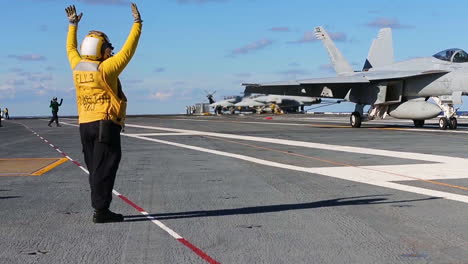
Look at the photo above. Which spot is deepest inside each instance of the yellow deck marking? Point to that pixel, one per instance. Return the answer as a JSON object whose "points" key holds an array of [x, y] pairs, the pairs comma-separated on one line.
{"points": [[50, 167], [28, 166]]}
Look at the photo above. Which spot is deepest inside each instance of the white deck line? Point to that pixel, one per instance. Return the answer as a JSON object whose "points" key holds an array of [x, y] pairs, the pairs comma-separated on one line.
{"points": [[322, 120], [356, 177], [370, 151], [160, 134], [363, 174]]}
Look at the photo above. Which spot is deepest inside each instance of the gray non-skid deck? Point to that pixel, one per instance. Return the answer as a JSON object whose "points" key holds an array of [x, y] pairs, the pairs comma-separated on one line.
{"points": [[222, 195]]}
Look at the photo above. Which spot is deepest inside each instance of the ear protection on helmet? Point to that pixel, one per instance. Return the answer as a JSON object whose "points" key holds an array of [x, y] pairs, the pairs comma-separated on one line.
{"points": [[94, 45]]}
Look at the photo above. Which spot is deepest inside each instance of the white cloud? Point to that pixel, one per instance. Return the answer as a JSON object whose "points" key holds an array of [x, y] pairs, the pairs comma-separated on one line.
{"points": [[256, 45], [382, 22], [28, 57], [162, 95], [280, 29], [7, 90], [41, 92], [309, 36], [338, 36]]}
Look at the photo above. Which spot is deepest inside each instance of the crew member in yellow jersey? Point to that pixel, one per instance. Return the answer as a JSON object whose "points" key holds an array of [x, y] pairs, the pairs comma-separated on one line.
{"points": [[101, 106]]}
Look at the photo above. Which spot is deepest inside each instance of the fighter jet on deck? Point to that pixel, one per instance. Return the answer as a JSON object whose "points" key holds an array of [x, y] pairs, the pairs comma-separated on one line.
{"points": [[261, 102], [228, 103], [399, 89]]}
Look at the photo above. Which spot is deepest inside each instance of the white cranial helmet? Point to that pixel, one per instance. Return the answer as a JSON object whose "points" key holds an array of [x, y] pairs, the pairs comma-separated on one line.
{"points": [[94, 45]]}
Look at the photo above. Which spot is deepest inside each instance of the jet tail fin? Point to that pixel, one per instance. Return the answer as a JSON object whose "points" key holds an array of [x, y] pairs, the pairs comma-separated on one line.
{"points": [[339, 62], [210, 96], [381, 50], [210, 99]]}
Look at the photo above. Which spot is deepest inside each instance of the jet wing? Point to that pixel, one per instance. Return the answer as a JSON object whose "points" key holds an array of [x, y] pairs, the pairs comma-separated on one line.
{"points": [[332, 87], [392, 75]]}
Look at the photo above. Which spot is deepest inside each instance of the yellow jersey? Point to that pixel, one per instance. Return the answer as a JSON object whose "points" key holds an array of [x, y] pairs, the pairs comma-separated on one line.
{"points": [[98, 92]]}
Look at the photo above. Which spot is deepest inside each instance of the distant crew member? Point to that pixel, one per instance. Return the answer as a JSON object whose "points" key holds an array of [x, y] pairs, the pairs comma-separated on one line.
{"points": [[101, 106], [273, 108], [7, 115], [55, 108], [219, 110]]}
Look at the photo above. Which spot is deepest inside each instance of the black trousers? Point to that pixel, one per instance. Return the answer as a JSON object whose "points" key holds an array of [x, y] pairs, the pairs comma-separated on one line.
{"points": [[102, 160], [54, 117]]}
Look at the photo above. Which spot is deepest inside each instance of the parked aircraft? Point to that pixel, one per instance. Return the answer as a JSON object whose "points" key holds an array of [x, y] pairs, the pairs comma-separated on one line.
{"points": [[399, 89], [287, 103], [228, 103], [260, 102]]}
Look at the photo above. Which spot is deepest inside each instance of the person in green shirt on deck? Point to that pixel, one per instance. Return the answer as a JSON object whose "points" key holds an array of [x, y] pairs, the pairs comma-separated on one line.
{"points": [[55, 108]]}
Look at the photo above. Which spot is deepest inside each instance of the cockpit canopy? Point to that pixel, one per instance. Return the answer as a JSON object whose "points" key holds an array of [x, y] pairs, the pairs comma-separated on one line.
{"points": [[452, 55]]}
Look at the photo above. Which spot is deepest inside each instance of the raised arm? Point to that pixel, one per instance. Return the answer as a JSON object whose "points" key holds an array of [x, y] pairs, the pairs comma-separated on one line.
{"points": [[73, 55], [116, 64]]}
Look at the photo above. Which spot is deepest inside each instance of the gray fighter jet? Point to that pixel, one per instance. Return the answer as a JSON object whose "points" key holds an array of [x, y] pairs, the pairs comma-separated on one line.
{"points": [[261, 102], [399, 89], [228, 103]]}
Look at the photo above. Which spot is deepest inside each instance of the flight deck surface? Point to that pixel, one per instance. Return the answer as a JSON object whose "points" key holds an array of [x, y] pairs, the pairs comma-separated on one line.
{"points": [[243, 189]]}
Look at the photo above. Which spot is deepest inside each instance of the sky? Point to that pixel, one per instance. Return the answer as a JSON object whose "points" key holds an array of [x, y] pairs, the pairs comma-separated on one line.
{"points": [[191, 47]]}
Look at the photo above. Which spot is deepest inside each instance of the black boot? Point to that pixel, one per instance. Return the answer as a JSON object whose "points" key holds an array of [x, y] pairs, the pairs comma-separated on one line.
{"points": [[106, 216]]}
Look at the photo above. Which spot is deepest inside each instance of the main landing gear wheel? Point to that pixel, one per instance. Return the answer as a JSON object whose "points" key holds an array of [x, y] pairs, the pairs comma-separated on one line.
{"points": [[418, 123], [443, 123], [453, 123], [355, 120]]}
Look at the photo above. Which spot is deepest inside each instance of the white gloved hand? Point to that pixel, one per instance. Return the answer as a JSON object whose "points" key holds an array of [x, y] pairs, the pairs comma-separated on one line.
{"points": [[136, 14], [73, 18]]}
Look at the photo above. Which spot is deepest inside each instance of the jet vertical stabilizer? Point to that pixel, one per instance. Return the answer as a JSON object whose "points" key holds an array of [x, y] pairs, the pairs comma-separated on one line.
{"points": [[381, 50], [340, 64]]}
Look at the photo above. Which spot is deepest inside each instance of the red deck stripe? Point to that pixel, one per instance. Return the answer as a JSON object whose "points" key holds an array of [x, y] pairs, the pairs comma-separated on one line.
{"points": [[132, 204], [198, 251]]}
